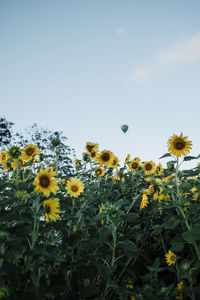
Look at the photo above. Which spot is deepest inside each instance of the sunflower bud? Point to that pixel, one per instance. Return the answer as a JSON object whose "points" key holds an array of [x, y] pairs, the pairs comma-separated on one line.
{"points": [[14, 152], [186, 266], [55, 142]]}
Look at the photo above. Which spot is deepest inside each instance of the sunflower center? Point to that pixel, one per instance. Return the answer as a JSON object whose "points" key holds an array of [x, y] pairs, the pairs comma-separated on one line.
{"points": [[29, 151], [105, 157], [89, 148], [20, 162], [134, 165], [48, 209], [8, 165], [148, 167], [93, 154], [44, 181], [3, 157], [179, 144], [74, 188], [173, 258]]}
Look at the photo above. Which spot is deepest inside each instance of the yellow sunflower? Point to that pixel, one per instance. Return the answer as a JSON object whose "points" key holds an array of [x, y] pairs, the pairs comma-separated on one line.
{"points": [[65, 180], [52, 209], [4, 156], [159, 170], [144, 203], [29, 152], [77, 162], [19, 161], [45, 182], [134, 164], [130, 284], [170, 258], [120, 174], [149, 167], [179, 145], [105, 158], [90, 147], [115, 162], [93, 154], [7, 165], [99, 171], [74, 187], [127, 159]]}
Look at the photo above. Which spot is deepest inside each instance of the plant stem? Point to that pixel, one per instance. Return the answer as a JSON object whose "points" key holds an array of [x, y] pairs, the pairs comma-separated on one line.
{"points": [[57, 159], [35, 225], [114, 244]]}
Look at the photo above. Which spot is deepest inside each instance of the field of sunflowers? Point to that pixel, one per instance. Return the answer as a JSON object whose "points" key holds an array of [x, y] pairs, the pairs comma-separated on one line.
{"points": [[92, 228]]}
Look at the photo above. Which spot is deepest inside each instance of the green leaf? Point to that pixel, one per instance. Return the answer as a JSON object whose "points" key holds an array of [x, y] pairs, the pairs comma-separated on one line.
{"points": [[188, 173], [172, 223], [129, 247], [187, 158], [177, 247], [104, 271], [130, 217], [156, 263], [165, 155], [192, 235]]}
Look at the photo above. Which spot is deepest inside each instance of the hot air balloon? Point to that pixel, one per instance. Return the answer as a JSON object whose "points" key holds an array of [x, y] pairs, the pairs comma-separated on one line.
{"points": [[124, 128]]}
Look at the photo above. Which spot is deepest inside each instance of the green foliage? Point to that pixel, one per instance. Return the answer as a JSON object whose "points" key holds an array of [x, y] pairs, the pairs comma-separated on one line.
{"points": [[106, 243]]}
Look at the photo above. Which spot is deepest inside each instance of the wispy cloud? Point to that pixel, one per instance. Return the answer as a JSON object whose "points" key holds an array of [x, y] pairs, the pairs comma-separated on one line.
{"points": [[120, 31], [142, 74], [185, 51]]}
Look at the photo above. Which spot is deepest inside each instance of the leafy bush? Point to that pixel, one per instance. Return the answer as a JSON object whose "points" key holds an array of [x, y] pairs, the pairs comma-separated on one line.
{"points": [[90, 229]]}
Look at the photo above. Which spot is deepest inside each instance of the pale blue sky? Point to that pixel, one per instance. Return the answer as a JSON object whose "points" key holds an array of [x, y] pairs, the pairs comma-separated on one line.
{"points": [[87, 67]]}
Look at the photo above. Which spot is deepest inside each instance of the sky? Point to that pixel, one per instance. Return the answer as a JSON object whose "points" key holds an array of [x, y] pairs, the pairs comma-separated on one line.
{"points": [[85, 67]]}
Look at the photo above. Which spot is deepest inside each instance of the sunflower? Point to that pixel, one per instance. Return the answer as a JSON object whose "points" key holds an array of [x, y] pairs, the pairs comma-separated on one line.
{"points": [[180, 291], [52, 209], [74, 187], [130, 284], [17, 162], [120, 174], [90, 147], [144, 203], [127, 159], [105, 158], [168, 178], [7, 165], [65, 180], [29, 152], [149, 167], [4, 156], [93, 154], [134, 164], [99, 171], [14, 151], [170, 258], [179, 145], [115, 162], [77, 162], [159, 170], [45, 182]]}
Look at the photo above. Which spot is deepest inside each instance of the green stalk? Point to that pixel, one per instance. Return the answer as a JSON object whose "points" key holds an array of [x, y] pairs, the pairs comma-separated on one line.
{"points": [[57, 160], [114, 231], [114, 244], [34, 234]]}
